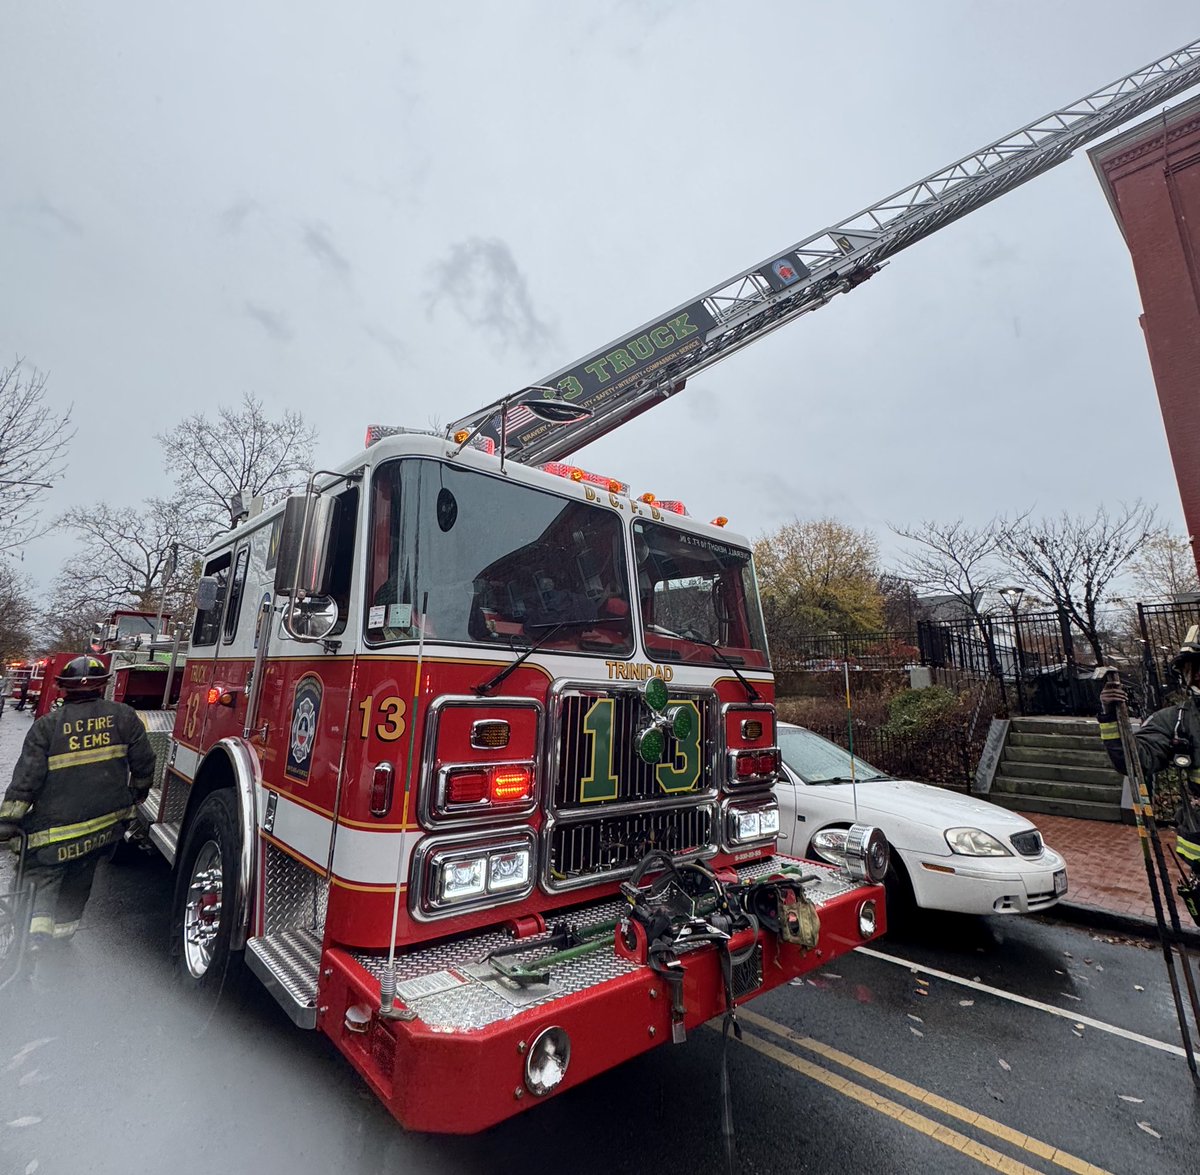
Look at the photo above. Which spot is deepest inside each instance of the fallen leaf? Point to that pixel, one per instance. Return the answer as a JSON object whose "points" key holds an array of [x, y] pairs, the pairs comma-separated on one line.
{"points": [[915, 1031], [1099, 967], [998, 1096], [1149, 1129], [797, 982], [32, 1077], [920, 991], [1080, 1027], [1005, 1065], [966, 1003], [1128, 1097], [1138, 987], [916, 1018], [922, 982], [976, 979], [1078, 1034], [31, 1166], [18, 1057], [1088, 962], [831, 975], [1058, 972], [1068, 954], [28, 1120], [1066, 995]]}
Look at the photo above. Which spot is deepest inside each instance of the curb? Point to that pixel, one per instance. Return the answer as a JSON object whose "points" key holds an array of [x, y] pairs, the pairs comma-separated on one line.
{"points": [[1099, 918]]}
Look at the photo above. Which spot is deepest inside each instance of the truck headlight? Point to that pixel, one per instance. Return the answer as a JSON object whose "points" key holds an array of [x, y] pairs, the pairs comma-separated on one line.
{"points": [[462, 878], [508, 870], [747, 823]]}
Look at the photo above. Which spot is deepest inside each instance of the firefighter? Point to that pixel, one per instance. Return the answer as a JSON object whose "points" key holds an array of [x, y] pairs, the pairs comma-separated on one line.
{"points": [[72, 792], [1170, 737]]}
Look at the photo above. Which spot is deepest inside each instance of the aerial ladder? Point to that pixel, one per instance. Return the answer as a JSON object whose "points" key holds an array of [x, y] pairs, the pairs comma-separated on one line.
{"points": [[620, 381]]}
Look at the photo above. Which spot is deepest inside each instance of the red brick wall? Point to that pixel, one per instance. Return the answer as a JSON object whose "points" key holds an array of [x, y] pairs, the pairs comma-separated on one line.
{"points": [[1154, 184]]}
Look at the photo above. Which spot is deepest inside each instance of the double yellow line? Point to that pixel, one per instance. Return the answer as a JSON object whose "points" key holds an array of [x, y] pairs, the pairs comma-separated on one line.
{"points": [[988, 1156]]}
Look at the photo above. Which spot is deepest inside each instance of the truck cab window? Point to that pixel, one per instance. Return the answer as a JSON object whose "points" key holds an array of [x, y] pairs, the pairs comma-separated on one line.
{"points": [[345, 527], [208, 622], [236, 591]]}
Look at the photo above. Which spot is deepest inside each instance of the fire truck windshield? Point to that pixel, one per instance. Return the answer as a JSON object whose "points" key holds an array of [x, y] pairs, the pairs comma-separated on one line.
{"points": [[502, 563], [694, 587]]}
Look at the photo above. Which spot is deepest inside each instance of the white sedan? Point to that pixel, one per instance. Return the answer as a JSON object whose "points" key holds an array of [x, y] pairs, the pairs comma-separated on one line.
{"points": [[949, 851]]}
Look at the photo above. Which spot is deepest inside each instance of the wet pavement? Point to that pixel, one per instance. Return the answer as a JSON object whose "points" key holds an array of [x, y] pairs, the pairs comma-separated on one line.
{"points": [[1006, 1044]]}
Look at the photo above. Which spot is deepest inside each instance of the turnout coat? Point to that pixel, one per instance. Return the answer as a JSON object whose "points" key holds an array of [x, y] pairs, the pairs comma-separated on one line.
{"points": [[71, 788]]}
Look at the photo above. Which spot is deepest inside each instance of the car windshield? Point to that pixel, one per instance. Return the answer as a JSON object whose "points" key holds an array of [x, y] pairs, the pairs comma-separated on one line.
{"points": [[501, 563], [699, 598], [817, 760]]}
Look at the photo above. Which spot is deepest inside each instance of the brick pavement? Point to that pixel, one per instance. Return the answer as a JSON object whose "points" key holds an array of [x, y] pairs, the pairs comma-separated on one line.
{"points": [[1105, 865]]}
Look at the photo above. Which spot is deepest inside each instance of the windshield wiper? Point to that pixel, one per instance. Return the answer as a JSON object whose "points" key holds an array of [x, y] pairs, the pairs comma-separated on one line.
{"points": [[690, 634], [551, 629], [847, 779]]}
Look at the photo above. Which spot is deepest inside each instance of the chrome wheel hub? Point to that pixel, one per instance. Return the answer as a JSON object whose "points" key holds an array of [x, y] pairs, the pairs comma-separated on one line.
{"points": [[202, 910]]}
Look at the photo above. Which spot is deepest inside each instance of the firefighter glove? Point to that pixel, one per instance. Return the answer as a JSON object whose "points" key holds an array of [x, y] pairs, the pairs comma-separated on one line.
{"points": [[8, 829]]}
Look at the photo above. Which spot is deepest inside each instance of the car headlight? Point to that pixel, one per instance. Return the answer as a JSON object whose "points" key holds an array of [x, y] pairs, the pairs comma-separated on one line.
{"points": [[974, 842]]}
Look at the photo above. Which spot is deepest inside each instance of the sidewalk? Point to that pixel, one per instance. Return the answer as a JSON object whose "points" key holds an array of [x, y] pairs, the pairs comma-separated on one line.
{"points": [[1106, 873]]}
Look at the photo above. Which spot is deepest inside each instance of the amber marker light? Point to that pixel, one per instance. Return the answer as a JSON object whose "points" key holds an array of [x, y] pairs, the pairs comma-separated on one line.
{"points": [[214, 696], [649, 499], [720, 520], [461, 436]]}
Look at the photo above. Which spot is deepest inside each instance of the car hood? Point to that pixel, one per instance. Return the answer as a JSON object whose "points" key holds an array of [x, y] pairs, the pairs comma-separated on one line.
{"points": [[923, 804]]}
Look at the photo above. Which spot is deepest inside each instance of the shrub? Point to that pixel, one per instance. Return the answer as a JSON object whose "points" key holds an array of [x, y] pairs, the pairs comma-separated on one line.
{"points": [[913, 711]]}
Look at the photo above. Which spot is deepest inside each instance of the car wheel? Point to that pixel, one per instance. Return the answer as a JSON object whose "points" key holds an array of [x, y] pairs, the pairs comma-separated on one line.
{"points": [[202, 910], [901, 902]]}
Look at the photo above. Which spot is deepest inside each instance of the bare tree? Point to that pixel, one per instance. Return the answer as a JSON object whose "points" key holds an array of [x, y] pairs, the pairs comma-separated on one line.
{"points": [[17, 614], [123, 558], [33, 443], [1165, 568], [1074, 558], [242, 453], [953, 558]]}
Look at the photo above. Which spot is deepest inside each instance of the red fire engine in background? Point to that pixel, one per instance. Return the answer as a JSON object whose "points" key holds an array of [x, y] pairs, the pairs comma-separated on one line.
{"points": [[472, 762]]}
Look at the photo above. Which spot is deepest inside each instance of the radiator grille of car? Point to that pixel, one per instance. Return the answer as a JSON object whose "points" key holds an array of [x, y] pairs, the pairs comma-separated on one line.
{"points": [[1028, 844], [637, 779], [585, 851]]}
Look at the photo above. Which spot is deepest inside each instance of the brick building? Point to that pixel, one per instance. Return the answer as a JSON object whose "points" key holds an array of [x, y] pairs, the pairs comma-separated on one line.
{"points": [[1151, 176]]}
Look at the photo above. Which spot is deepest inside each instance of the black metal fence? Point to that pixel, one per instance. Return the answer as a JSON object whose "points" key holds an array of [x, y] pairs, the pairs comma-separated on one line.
{"points": [[946, 755], [1161, 630], [1038, 662]]}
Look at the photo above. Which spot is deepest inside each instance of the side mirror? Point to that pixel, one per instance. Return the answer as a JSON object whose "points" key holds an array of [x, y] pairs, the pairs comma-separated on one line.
{"points": [[305, 571], [207, 593], [314, 618]]}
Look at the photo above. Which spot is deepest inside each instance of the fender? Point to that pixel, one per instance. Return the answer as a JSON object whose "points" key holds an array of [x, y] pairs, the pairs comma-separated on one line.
{"points": [[233, 762]]}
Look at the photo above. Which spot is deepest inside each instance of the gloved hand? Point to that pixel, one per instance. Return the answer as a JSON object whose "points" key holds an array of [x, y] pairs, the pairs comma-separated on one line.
{"points": [[1111, 696], [8, 829], [139, 793]]}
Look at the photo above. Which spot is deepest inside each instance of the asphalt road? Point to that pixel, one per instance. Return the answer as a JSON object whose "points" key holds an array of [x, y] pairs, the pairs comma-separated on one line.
{"points": [[880, 1063]]}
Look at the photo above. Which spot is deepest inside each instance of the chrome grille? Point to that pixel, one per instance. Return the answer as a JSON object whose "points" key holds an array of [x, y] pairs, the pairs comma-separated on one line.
{"points": [[636, 778], [581, 851], [1028, 844]]}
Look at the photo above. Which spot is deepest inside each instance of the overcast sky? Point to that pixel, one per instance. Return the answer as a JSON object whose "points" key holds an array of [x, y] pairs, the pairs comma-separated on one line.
{"points": [[378, 211]]}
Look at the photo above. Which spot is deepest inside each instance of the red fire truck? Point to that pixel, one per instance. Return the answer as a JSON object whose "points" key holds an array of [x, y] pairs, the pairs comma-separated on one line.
{"points": [[473, 758], [432, 717]]}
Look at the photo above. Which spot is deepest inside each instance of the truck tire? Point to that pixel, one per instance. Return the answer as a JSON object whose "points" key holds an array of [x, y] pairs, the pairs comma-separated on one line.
{"points": [[201, 920]]}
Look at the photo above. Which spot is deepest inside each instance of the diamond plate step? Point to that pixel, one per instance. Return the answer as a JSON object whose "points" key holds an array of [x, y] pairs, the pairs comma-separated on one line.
{"points": [[288, 964]]}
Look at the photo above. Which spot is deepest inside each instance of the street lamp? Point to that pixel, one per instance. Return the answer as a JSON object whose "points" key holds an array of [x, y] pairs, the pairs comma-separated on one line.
{"points": [[1012, 597]]}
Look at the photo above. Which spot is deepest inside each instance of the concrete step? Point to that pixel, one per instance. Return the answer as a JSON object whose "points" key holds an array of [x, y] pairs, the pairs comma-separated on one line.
{"points": [[1059, 742], [1080, 809], [1058, 790], [1061, 772], [1096, 758], [1073, 726]]}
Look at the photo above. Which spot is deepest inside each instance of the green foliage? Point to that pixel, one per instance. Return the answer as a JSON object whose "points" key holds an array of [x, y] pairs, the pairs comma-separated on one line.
{"points": [[916, 711]]}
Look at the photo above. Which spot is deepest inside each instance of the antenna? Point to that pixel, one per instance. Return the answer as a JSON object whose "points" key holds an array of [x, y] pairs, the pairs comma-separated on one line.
{"points": [[850, 738]]}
